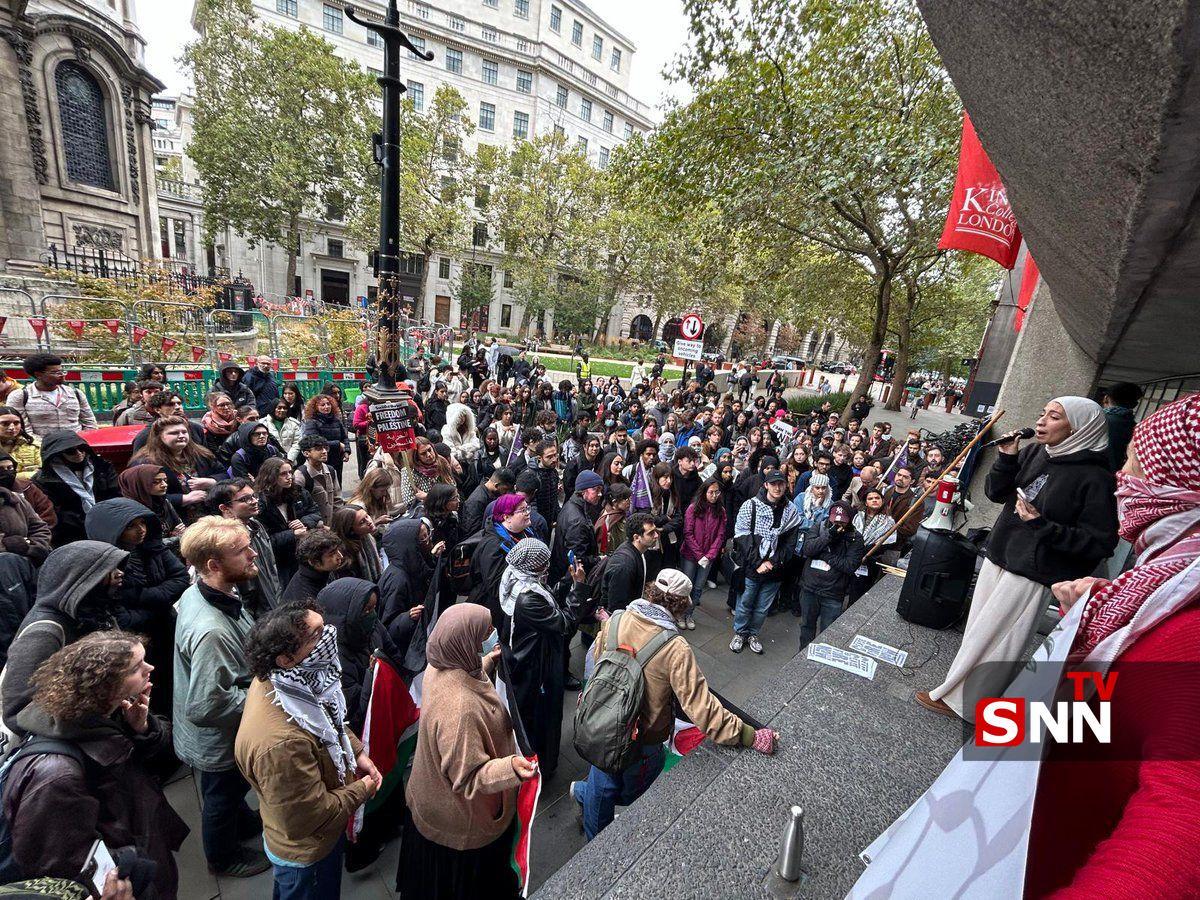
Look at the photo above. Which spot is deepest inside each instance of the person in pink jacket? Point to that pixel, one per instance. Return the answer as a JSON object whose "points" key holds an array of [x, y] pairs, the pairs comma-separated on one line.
{"points": [[703, 539]]}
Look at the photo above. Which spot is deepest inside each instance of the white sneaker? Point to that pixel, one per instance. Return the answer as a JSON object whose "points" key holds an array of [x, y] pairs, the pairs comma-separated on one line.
{"points": [[711, 584], [737, 643], [754, 644], [690, 623], [680, 624]]}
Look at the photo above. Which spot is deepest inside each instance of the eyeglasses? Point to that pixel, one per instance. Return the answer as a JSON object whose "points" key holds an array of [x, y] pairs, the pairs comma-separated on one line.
{"points": [[245, 498]]}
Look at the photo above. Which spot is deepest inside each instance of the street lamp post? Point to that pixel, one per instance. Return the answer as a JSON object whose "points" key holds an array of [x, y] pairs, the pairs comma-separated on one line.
{"points": [[387, 157]]}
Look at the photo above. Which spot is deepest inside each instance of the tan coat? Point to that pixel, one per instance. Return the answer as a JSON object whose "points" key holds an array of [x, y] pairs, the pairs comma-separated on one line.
{"points": [[303, 803], [462, 792], [673, 672]]}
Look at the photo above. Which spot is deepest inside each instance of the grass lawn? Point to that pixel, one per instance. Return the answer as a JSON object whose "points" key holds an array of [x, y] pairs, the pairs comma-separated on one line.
{"points": [[600, 367]]}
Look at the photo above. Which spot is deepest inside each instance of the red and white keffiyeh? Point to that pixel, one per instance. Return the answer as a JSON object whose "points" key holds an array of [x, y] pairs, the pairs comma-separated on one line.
{"points": [[1160, 516]]}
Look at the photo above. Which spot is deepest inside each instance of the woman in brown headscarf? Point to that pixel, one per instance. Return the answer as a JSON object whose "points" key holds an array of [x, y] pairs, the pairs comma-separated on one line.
{"points": [[147, 484], [458, 833]]}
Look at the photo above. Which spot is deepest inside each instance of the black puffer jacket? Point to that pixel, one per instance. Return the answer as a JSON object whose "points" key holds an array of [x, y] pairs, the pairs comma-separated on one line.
{"points": [[831, 559], [470, 516], [66, 502], [359, 634], [575, 531], [154, 577], [1077, 528], [237, 390], [546, 500]]}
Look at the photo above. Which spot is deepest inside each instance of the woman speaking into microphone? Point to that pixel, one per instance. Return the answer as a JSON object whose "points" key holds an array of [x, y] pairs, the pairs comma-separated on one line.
{"points": [[1059, 521]]}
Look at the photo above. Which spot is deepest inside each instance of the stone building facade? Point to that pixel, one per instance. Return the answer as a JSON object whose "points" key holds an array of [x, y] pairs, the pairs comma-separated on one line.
{"points": [[76, 166]]}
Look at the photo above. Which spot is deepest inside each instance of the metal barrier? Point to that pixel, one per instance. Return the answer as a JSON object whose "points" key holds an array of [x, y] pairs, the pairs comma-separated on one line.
{"points": [[17, 311], [112, 318]]}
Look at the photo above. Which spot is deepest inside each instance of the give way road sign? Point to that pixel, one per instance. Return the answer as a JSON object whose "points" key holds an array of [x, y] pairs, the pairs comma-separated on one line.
{"points": [[691, 328]]}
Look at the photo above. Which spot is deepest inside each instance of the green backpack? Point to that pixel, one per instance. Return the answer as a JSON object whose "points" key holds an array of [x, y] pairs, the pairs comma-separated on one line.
{"points": [[606, 717]]}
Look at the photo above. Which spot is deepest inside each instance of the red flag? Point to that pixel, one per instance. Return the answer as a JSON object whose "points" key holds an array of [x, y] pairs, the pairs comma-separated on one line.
{"points": [[168, 344], [39, 326], [224, 357], [198, 353], [364, 345], [138, 333], [1029, 282], [313, 361], [332, 357], [349, 353], [113, 325], [980, 219], [251, 361], [274, 365], [3, 320], [295, 361], [76, 325]]}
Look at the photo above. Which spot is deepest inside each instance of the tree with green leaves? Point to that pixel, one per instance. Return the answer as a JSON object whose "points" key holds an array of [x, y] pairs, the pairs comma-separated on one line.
{"points": [[282, 125], [542, 210], [830, 124], [474, 290], [438, 176]]}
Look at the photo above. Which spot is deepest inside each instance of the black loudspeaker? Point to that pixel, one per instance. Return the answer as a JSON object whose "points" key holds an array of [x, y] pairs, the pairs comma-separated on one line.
{"points": [[941, 572]]}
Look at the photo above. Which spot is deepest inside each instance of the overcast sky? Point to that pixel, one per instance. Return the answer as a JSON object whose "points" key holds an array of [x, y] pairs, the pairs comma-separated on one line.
{"points": [[657, 27]]}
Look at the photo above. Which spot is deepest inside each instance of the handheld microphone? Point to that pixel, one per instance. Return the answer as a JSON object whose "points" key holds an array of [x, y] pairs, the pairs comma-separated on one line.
{"points": [[1020, 433]]}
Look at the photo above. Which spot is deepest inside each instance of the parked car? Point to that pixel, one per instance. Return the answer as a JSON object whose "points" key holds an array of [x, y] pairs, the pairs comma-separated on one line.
{"points": [[661, 345], [789, 363], [839, 368]]}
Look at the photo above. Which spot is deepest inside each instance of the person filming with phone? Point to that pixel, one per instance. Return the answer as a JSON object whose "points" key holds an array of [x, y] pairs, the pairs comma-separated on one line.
{"points": [[1058, 523]]}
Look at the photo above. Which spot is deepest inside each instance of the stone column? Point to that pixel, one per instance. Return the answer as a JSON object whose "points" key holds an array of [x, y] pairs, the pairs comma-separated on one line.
{"points": [[22, 239], [1045, 364]]}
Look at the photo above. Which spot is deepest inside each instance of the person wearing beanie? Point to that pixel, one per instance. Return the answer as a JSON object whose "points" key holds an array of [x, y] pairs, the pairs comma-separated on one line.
{"points": [[832, 550], [671, 675], [576, 529], [814, 502]]}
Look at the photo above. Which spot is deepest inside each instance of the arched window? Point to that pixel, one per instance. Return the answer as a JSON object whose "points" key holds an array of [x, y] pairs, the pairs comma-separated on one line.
{"points": [[641, 328], [83, 119]]}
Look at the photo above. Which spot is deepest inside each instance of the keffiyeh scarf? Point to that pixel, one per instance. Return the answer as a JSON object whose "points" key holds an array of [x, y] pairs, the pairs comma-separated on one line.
{"points": [[1160, 516], [655, 613], [527, 564], [311, 694], [642, 498]]}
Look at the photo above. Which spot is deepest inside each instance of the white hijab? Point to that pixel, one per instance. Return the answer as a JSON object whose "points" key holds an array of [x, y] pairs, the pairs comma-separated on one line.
{"points": [[1089, 427]]}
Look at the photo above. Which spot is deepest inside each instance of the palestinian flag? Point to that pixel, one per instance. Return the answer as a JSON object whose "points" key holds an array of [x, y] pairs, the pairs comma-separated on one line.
{"points": [[390, 731], [685, 738], [527, 795]]}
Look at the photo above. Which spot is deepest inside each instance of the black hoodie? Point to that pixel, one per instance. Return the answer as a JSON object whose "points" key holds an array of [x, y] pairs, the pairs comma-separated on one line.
{"points": [[247, 459], [405, 581], [237, 390], [67, 503], [359, 634]]}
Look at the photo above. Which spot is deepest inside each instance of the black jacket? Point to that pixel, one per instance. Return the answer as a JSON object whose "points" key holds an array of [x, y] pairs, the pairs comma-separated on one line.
{"points": [[66, 502], [435, 414], [685, 486], [154, 577], [359, 633], [305, 585], [470, 516], [624, 578], [547, 495], [265, 389], [237, 391], [841, 555], [1077, 527], [487, 565], [405, 582], [576, 531], [283, 540], [534, 642]]}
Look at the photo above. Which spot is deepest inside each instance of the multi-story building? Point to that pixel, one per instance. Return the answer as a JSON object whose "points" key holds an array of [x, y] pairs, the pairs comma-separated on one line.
{"points": [[75, 145], [525, 67]]}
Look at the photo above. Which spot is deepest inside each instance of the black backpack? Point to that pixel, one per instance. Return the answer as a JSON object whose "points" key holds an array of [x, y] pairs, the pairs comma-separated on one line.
{"points": [[35, 745]]}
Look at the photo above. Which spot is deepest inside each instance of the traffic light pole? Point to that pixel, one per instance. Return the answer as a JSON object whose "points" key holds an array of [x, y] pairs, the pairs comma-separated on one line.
{"points": [[387, 157]]}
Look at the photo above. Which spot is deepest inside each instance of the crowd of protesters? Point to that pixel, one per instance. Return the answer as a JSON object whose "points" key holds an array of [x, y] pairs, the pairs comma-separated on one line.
{"points": [[219, 601]]}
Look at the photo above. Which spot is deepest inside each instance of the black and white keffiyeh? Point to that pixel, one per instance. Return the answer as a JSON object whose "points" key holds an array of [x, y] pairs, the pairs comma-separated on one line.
{"points": [[311, 694], [527, 564]]}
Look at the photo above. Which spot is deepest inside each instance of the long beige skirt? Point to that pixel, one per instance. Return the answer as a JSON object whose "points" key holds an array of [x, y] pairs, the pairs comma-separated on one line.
{"points": [[1005, 610]]}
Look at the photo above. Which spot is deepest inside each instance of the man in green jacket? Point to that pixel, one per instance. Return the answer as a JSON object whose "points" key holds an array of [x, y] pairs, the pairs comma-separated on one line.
{"points": [[211, 679]]}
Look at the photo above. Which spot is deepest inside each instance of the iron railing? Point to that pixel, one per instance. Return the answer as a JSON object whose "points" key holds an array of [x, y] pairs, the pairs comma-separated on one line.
{"points": [[103, 262]]}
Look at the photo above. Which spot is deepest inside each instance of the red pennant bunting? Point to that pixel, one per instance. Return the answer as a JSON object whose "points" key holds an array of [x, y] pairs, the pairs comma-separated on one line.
{"points": [[3, 320], [168, 344], [332, 357], [349, 353], [364, 345], [224, 357], [138, 333], [314, 361], [198, 354], [76, 325], [295, 361], [274, 365], [113, 325], [38, 324], [252, 361]]}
